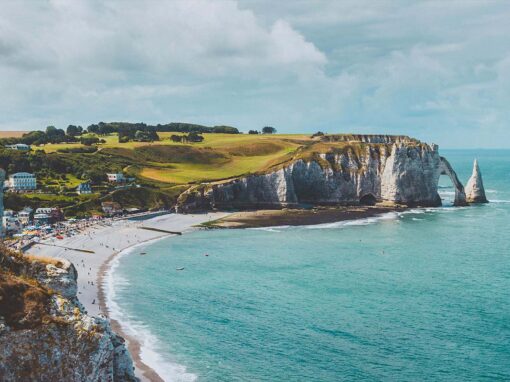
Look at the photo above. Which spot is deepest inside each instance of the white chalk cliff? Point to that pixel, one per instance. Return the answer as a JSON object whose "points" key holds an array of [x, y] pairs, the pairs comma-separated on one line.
{"points": [[475, 192], [45, 334], [405, 172]]}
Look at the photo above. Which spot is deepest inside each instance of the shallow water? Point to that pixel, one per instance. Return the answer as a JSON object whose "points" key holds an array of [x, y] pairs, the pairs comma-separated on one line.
{"points": [[421, 295]]}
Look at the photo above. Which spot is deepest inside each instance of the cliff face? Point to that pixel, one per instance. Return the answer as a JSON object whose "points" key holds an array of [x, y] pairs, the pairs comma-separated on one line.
{"points": [[402, 173], [474, 188], [45, 334]]}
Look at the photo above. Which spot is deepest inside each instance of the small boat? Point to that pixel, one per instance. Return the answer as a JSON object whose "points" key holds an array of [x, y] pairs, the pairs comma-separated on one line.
{"points": [[143, 253], [179, 269], [206, 254]]}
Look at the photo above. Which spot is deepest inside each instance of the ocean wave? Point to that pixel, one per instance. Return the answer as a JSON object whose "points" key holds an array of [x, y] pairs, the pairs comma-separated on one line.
{"points": [[149, 343], [357, 222], [278, 228], [446, 192], [496, 201]]}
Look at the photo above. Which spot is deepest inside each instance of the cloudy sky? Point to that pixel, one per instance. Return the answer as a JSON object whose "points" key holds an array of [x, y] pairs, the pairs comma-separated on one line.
{"points": [[439, 71]]}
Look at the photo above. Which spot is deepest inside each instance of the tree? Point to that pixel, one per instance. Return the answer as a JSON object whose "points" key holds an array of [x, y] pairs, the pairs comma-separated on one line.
{"points": [[73, 130], [268, 130], [55, 135], [225, 129], [318, 134], [253, 132], [88, 141], [176, 138], [194, 137], [51, 130]]}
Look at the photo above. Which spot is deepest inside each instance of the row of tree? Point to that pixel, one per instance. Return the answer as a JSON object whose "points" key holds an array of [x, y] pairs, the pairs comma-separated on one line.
{"points": [[192, 137], [133, 133], [126, 132], [103, 128], [265, 130], [50, 135]]}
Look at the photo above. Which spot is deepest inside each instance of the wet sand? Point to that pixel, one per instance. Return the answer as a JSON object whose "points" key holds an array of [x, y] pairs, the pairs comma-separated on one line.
{"points": [[297, 217]]}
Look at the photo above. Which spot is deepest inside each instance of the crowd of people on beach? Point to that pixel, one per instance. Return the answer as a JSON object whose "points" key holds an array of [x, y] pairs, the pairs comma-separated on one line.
{"points": [[50, 235]]}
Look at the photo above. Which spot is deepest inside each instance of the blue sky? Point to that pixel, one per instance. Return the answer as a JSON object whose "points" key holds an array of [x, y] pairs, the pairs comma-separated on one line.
{"points": [[439, 71]]}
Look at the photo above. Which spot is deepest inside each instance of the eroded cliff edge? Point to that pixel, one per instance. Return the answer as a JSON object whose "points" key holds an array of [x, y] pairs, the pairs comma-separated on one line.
{"points": [[45, 334], [337, 170]]}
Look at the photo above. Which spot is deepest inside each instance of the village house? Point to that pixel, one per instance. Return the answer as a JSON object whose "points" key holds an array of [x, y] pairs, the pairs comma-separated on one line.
{"points": [[22, 181], [25, 215], [111, 208], [54, 214], [41, 219], [19, 147], [11, 225], [116, 177], [84, 188]]}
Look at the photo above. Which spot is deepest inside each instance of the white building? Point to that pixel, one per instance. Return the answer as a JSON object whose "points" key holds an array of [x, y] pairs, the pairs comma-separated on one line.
{"points": [[9, 213], [22, 181], [19, 147], [25, 215], [41, 219], [84, 188], [44, 210], [11, 225], [116, 178]]}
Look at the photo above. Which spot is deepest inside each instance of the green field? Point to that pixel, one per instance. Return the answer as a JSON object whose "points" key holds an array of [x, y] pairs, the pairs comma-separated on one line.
{"points": [[219, 156]]}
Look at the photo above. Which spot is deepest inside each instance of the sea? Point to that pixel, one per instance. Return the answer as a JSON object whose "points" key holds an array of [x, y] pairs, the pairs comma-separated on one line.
{"points": [[422, 295]]}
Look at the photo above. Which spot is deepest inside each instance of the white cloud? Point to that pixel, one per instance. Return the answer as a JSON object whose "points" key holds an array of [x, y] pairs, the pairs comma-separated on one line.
{"points": [[386, 66]]}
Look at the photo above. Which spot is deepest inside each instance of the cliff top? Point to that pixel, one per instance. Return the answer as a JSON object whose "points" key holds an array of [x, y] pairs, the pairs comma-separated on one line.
{"points": [[24, 301], [164, 168]]}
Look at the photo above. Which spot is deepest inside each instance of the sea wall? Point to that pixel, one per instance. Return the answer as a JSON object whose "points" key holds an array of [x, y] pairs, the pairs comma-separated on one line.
{"points": [[399, 173], [45, 334]]}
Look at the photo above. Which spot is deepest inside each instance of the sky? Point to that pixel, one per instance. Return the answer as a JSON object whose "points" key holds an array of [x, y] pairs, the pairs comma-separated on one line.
{"points": [[435, 70]]}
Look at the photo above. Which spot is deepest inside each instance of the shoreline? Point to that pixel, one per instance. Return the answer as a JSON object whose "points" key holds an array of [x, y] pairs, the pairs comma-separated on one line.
{"points": [[299, 217], [143, 371], [104, 243], [91, 286]]}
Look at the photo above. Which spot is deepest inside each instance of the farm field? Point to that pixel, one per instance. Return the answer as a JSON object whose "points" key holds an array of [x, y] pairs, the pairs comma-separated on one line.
{"points": [[12, 134], [210, 140], [218, 156]]}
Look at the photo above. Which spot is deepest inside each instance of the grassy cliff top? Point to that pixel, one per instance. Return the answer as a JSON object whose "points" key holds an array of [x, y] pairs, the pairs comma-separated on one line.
{"points": [[224, 156], [165, 168], [24, 302]]}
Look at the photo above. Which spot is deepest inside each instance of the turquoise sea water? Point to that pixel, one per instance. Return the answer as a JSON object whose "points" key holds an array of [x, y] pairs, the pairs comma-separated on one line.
{"points": [[423, 295]]}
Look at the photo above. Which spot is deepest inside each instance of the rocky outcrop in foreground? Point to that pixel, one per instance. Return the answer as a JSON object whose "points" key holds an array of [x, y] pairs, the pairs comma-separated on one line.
{"points": [[402, 172], [45, 334], [475, 192]]}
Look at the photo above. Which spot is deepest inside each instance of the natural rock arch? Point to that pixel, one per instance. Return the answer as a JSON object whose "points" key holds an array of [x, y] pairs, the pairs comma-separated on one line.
{"points": [[460, 195]]}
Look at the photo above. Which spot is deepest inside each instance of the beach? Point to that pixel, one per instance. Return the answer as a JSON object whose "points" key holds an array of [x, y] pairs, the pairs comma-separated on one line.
{"points": [[92, 249], [300, 217]]}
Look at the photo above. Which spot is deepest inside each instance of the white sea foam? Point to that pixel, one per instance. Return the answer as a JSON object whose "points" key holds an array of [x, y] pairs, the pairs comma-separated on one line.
{"points": [[447, 193], [356, 222], [149, 344], [498, 201], [278, 228]]}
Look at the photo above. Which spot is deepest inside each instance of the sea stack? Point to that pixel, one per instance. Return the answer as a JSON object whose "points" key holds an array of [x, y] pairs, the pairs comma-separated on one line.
{"points": [[475, 193]]}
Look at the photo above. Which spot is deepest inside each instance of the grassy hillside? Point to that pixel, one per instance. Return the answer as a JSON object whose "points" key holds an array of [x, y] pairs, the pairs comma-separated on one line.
{"points": [[219, 156]]}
